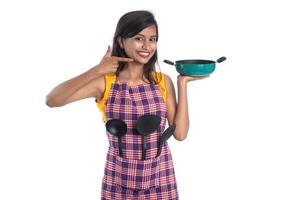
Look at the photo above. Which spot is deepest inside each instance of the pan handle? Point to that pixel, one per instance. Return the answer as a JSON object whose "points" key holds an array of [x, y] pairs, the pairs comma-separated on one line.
{"points": [[169, 62], [219, 60]]}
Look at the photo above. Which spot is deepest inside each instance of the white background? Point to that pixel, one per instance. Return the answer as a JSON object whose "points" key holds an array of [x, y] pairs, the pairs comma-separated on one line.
{"points": [[243, 142]]}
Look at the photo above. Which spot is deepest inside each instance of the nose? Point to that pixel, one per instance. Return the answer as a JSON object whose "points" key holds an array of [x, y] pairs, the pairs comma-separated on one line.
{"points": [[146, 45]]}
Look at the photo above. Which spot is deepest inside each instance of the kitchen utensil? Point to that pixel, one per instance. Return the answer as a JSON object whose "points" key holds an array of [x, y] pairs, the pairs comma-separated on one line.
{"points": [[147, 124], [164, 137], [117, 128], [195, 67]]}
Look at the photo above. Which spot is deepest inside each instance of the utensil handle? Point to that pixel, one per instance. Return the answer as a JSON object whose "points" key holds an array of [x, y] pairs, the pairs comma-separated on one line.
{"points": [[219, 60], [144, 148], [120, 146], [159, 151], [169, 62]]}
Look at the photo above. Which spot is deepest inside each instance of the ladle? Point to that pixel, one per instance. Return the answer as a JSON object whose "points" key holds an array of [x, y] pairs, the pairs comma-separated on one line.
{"points": [[117, 128], [147, 124]]}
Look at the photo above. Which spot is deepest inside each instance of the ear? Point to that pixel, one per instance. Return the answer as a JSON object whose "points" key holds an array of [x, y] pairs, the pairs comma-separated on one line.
{"points": [[120, 41]]}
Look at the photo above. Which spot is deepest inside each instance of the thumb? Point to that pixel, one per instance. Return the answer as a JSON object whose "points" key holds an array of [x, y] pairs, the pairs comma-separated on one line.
{"points": [[108, 52]]}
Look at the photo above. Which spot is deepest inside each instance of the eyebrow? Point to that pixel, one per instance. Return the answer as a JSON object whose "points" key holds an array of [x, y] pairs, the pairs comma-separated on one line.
{"points": [[144, 35]]}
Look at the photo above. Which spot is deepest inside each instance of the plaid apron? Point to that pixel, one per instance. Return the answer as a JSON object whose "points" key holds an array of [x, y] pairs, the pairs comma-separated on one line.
{"points": [[129, 177]]}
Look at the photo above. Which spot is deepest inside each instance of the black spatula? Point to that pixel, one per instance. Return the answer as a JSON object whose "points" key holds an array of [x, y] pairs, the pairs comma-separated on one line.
{"points": [[164, 137]]}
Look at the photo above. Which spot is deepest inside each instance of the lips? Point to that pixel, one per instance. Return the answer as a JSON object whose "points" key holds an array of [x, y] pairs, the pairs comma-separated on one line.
{"points": [[143, 54]]}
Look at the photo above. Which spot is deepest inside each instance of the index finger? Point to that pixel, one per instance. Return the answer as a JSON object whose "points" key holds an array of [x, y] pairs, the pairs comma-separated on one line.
{"points": [[122, 59], [108, 52]]}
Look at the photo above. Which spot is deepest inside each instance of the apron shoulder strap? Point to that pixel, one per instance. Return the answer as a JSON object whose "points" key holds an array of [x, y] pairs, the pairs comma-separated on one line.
{"points": [[101, 103]]}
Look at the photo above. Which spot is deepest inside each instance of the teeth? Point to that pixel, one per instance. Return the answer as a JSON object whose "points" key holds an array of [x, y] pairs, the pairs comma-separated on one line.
{"points": [[144, 53]]}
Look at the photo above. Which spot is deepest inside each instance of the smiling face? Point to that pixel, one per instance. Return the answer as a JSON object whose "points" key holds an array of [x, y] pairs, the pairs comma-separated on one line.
{"points": [[142, 46]]}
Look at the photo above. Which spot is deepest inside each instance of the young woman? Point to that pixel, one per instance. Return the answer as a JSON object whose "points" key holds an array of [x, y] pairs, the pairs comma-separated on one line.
{"points": [[126, 86]]}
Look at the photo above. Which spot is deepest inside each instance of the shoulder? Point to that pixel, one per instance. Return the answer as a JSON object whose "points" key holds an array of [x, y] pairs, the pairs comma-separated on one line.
{"points": [[102, 83], [167, 86], [167, 78], [170, 89], [162, 78], [99, 85], [168, 81]]}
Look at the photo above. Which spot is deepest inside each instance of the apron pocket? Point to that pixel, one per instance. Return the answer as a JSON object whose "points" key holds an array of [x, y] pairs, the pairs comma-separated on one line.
{"points": [[137, 174]]}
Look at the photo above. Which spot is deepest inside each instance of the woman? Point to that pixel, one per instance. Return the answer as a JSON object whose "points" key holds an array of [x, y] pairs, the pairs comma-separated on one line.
{"points": [[126, 86]]}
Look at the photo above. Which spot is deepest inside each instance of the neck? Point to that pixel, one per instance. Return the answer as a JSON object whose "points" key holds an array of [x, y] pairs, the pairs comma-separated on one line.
{"points": [[132, 71]]}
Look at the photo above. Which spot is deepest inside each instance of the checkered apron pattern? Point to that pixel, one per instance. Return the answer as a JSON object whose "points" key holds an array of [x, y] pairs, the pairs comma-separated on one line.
{"points": [[129, 177]]}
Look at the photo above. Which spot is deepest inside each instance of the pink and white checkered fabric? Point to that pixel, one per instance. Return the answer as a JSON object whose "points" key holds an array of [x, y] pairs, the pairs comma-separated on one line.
{"points": [[129, 177]]}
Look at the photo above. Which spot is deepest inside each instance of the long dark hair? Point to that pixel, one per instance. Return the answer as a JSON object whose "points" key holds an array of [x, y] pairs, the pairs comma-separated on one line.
{"points": [[129, 25]]}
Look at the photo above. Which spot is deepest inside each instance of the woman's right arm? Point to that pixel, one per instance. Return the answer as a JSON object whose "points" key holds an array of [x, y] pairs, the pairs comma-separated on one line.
{"points": [[88, 84]]}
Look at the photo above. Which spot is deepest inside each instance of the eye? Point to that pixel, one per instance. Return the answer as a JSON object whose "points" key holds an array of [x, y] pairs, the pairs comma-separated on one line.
{"points": [[138, 39], [153, 39]]}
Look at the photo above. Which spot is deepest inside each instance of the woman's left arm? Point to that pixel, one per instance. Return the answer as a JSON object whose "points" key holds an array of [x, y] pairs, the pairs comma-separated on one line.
{"points": [[178, 112]]}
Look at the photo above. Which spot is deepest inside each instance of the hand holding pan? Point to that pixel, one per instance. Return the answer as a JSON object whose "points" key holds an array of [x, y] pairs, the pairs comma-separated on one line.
{"points": [[117, 128], [165, 136], [147, 124]]}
